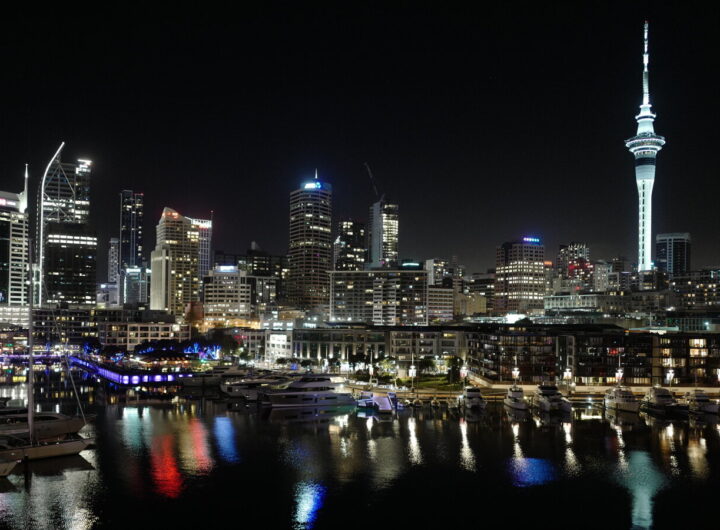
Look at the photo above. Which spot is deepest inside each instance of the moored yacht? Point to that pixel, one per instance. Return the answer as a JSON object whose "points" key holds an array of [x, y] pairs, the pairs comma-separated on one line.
{"points": [[308, 391], [473, 399], [621, 398], [698, 401], [548, 398], [515, 398], [365, 401], [659, 399], [247, 388], [47, 425]]}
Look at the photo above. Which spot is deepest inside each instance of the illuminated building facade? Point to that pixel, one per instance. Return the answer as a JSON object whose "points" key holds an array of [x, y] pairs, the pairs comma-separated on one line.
{"points": [[350, 247], [672, 252], [310, 252], [135, 285], [384, 297], [113, 272], [131, 229], [228, 296], [258, 263], [204, 230], [440, 305], [645, 146], [14, 248], [67, 247], [174, 264], [520, 277], [383, 230]]}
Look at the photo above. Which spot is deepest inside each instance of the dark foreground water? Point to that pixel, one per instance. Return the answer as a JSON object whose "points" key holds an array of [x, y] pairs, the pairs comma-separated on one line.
{"points": [[201, 465]]}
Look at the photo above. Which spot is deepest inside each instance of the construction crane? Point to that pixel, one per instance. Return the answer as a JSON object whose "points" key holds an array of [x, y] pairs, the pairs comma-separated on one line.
{"points": [[372, 181]]}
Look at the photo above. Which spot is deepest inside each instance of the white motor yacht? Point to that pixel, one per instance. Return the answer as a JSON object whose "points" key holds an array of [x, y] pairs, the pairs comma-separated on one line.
{"points": [[547, 398], [365, 401], [515, 398], [47, 425], [659, 399], [621, 398], [248, 389], [308, 391], [698, 401], [473, 398]]}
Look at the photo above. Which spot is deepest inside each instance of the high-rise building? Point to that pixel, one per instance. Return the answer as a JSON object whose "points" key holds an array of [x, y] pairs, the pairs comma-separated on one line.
{"points": [[67, 247], [135, 285], [14, 247], [672, 252], [383, 234], [174, 263], [204, 230], [131, 229], [258, 263], [382, 296], [570, 256], [227, 296], [113, 272], [645, 146], [438, 270], [310, 252], [520, 277], [349, 249]]}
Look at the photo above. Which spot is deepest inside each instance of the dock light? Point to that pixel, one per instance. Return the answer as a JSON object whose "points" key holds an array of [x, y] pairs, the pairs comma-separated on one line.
{"points": [[619, 374], [568, 374], [516, 373], [412, 372], [670, 376]]}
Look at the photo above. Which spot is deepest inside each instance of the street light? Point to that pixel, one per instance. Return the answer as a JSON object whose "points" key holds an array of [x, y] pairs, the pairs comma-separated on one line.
{"points": [[619, 375], [516, 374], [671, 376]]}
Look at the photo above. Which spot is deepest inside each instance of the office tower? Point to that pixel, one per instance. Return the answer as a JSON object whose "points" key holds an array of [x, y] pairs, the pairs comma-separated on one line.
{"points": [[310, 249], [227, 295], [131, 229], [349, 249], [672, 252], [135, 285], [438, 270], [174, 264], [382, 296], [258, 263], [440, 303], [520, 277], [113, 272], [383, 234], [570, 256], [483, 284], [14, 247], [204, 230], [67, 247], [601, 276], [644, 146]]}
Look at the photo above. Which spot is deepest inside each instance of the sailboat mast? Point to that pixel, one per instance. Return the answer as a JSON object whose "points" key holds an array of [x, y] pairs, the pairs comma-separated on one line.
{"points": [[31, 360]]}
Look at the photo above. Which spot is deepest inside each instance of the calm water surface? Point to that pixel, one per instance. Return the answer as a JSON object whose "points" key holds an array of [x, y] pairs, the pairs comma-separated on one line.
{"points": [[203, 464]]}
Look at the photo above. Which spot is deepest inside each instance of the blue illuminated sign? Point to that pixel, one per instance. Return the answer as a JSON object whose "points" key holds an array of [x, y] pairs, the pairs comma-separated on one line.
{"points": [[315, 185], [531, 239]]}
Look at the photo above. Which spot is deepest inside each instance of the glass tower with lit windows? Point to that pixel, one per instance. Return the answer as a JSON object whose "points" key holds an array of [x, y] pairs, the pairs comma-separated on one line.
{"points": [[520, 277], [67, 246], [310, 245], [131, 229], [383, 232], [645, 146]]}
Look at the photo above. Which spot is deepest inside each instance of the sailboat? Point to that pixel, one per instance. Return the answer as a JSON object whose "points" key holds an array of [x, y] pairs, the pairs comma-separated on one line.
{"points": [[14, 449]]}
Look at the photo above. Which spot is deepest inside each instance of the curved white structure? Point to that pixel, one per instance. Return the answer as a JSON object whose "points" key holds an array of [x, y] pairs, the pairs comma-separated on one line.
{"points": [[698, 401], [548, 398], [621, 398], [515, 398]]}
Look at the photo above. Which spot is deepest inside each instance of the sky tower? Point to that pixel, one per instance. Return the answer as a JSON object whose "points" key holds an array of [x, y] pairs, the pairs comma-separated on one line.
{"points": [[645, 146]]}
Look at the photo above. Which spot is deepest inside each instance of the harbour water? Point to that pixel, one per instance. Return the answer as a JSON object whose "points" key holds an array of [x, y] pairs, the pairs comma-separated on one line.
{"points": [[218, 464]]}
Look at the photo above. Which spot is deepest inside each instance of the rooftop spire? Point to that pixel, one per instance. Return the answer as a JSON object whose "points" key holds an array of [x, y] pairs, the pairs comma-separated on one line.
{"points": [[646, 60]]}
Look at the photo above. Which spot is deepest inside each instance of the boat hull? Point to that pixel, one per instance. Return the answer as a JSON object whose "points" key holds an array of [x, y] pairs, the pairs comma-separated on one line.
{"points": [[308, 399], [45, 430], [622, 406], [515, 404], [49, 450]]}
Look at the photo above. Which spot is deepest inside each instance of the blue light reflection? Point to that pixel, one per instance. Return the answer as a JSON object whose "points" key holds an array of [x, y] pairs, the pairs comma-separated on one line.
{"points": [[224, 432]]}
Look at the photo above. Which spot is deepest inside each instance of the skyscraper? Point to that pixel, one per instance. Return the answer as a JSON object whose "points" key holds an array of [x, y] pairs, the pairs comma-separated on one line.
{"points": [[131, 229], [67, 247], [310, 248], [383, 231], [14, 247], [672, 252], [520, 277], [644, 146], [204, 230], [174, 262], [349, 249], [113, 272]]}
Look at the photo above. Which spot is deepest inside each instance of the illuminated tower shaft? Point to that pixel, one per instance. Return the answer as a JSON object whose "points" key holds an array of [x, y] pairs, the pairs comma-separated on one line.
{"points": [[645, 146]]}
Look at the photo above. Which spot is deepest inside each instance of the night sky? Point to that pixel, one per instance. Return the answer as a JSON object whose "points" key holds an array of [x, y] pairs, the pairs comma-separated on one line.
{"points": [[485, 125]]}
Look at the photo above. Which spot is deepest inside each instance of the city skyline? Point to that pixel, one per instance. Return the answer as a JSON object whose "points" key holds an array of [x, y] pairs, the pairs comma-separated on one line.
{"points": [[447, 145]]}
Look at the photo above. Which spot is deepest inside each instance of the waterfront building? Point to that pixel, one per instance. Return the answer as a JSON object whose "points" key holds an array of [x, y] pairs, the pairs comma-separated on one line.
{"points": [[67, 247], [203, 227], [383, 230], [520, 277], [389, 297], [14, 269], [174, 264], [350, 247], [310, 253], [131, 229], [645, 146], [672, 252], [227, 295], [127, 335], [697, 290], [440, 303]]}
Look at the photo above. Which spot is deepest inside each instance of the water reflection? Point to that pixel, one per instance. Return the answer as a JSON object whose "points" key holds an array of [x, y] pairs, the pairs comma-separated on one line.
{"points": [[224, 431], [308, 500], [643, 481]]}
